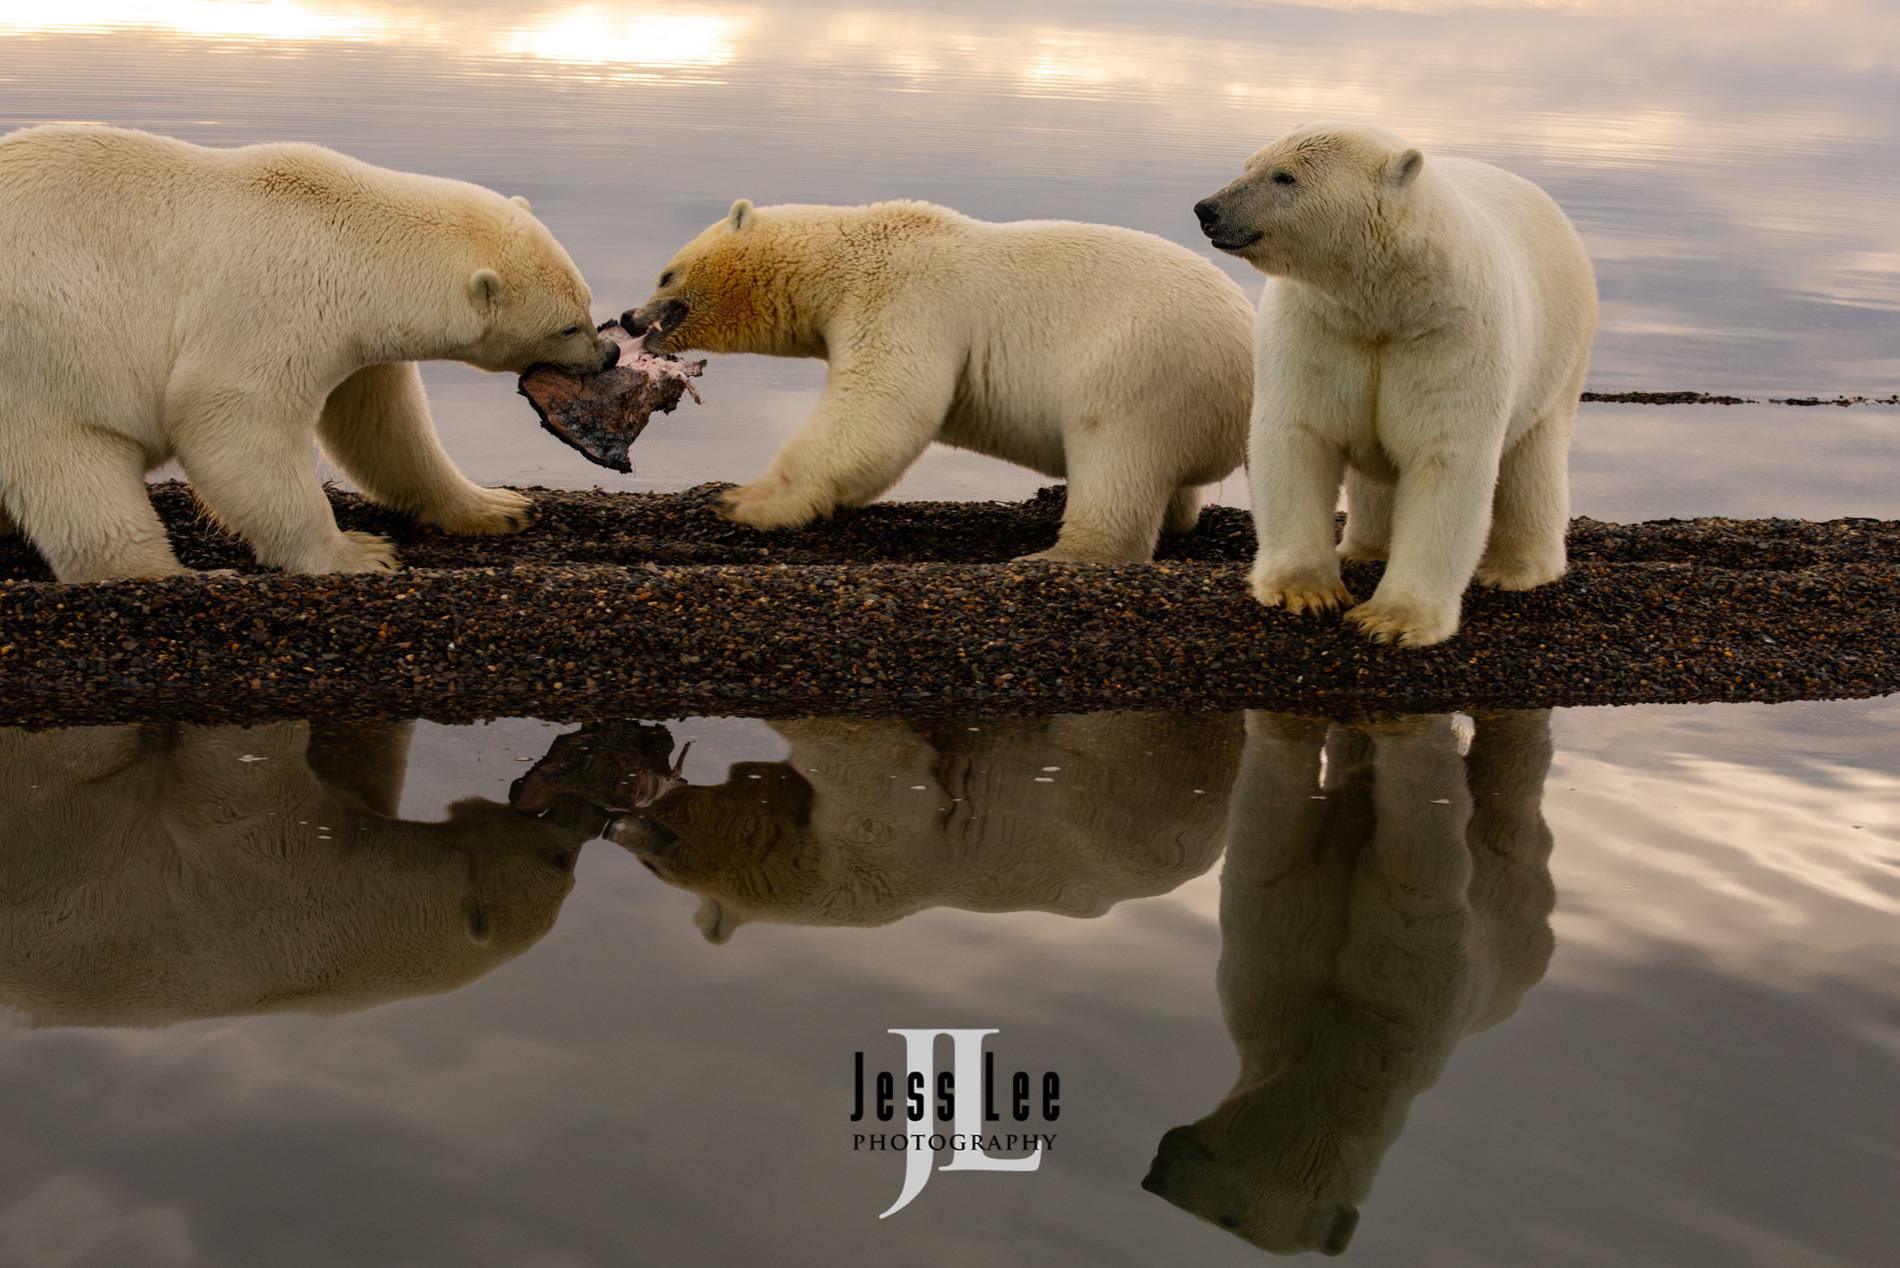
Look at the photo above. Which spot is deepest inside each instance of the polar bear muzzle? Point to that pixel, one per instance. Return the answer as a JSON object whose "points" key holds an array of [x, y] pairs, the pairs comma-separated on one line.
{"points": [[656, 321], [1217, 225]]}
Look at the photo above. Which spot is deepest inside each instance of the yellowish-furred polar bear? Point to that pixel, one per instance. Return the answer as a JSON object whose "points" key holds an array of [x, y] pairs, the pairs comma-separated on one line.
{"points": [[155, 874], [1107, 356], [871, 820], [225, 307], [1425, 338]]}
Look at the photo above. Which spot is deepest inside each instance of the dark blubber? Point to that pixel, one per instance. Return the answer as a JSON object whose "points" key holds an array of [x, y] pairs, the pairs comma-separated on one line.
{"points": [[629, 604]]}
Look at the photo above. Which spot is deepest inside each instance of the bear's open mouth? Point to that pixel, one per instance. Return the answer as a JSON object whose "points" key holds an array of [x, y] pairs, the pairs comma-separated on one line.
{"points": [[654, 323], [670, 319]]}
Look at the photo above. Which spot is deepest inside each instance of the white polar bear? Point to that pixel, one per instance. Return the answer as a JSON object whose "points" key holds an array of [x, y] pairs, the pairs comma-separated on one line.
{"points": [[225, 307], [1103, 355], [155, 874], [1381, 899], [1425, 336]]}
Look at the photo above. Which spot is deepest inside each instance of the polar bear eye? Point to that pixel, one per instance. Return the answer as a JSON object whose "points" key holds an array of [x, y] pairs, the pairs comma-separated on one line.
{"points": [[666, 278], [570, 331], [1284, 178]]}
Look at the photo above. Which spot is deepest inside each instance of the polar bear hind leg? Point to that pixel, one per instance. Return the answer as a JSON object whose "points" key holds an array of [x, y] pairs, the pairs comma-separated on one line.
{"points": [[1184, 511], [1114, 513], [247, 454], [82, 502], [1368, 519], [1531, 508], [376, 427]]}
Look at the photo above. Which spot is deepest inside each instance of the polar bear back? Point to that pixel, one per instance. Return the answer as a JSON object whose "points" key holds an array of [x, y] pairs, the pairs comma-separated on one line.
{"points": [[1515, 237], [174, 251]]}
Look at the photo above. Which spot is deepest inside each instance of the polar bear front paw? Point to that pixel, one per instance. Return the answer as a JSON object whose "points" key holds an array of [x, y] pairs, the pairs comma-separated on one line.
{"points": [[1517, 574], [769, 503], [1407, 624], [1302, 592], [366, 552]]}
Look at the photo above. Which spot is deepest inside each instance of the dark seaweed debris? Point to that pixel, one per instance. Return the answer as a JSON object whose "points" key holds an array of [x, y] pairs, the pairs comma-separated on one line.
{"points": [[650, 605], [1703, 398], [1665, 398]]}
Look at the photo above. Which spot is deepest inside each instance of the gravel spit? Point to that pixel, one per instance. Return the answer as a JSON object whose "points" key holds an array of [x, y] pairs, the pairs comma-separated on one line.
{"points": [[650, 605]]}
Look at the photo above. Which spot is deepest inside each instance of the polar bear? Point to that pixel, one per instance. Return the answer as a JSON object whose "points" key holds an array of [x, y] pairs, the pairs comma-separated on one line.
{"points": [[224, 308], [154, 874], [1425, 335], [1103, 355], [869, 821], [1382, 898]]}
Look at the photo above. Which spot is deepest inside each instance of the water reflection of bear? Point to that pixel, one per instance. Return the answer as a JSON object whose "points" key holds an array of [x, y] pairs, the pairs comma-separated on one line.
{"points": [[868, 821], [151, 874], [1381, 899]]}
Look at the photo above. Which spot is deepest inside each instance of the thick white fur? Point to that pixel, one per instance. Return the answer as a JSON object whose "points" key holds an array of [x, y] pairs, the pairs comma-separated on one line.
{"points": [[152, 876], [1107, 356], [869, 821], [1425, 338], [227, 307], [1375, 909]]}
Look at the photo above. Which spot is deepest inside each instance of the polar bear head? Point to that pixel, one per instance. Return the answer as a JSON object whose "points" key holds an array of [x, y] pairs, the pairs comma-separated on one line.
{"points": [[1325, 198], [760, 279], [524, 295], [710, 296], [1267, 1170]]}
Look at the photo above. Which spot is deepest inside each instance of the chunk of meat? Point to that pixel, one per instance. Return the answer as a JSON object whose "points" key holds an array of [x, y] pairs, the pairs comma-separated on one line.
{"points": [[602, 414], [616, 764]]}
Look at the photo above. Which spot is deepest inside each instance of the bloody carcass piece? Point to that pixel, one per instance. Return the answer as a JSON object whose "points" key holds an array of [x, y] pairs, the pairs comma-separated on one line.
{"points": [[616, 765], [603, 414]]}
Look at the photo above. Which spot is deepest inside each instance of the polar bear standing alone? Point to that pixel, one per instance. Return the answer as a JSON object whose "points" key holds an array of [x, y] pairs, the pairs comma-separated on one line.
{"points": [[1107, 356], [1425, 337], [225, 307], [1381, 899]]}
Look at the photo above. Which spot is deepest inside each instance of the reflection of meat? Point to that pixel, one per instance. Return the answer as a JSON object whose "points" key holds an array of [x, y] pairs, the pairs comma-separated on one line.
{"points": [[603, 414], [616, 765]]}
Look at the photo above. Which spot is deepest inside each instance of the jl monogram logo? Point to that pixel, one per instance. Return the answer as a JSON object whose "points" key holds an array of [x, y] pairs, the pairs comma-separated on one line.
{"points": [[969, 1139]]}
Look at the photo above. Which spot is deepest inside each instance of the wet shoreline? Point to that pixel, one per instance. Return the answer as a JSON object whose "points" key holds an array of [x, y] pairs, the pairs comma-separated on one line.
{"points": [[649, 605]]}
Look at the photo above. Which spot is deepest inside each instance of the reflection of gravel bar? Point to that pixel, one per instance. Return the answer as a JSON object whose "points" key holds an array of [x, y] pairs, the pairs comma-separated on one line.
{"points": [[650, 606]]}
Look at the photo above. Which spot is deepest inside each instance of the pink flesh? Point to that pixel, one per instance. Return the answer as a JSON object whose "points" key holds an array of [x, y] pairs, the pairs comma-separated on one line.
{"points": [[633, 353]]}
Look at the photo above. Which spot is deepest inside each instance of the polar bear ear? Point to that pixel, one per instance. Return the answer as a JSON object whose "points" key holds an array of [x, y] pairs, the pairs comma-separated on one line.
{"points": [[740, 217], [484, 287], [1404, 169], [713, 921], [520, 202]]}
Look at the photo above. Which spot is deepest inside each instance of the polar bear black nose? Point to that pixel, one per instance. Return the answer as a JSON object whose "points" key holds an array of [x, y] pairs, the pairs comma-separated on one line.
{"points": [[1208, 213], [631, 323]]}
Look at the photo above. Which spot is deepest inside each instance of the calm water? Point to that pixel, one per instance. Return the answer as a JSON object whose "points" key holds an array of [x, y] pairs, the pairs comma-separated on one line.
{"points": [[1602, 987]]}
